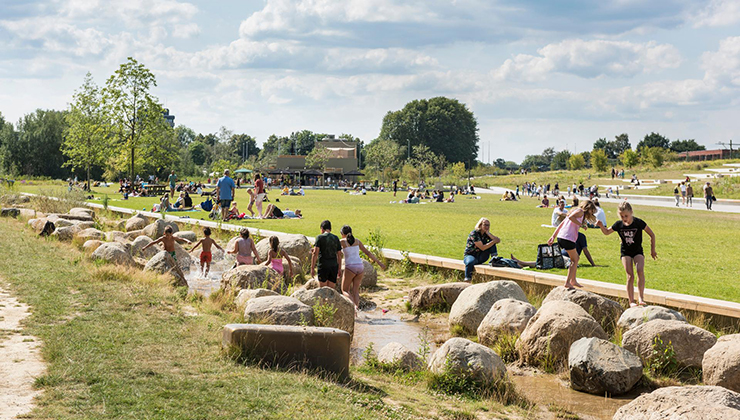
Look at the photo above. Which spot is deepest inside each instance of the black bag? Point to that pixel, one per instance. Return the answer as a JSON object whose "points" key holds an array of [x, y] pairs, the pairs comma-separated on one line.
{"points": [[497, 261], [549, 256], [714, 198]]}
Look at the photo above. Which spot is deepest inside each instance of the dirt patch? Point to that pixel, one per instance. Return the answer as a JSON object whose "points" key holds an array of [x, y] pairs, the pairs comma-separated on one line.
{"points": [[20, 360]]}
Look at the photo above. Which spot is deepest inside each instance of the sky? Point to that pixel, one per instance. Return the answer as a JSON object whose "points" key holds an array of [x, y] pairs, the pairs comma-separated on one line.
{"points": [[536, 74]]}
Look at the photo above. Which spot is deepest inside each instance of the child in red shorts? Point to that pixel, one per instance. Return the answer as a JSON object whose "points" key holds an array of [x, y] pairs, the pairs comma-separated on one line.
{"points": [[205, 256]]}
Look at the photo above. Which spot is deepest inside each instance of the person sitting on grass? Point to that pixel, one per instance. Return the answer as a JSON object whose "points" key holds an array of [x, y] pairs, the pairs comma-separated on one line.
{"points": [[187, 202], [275, 257], [168, 242], [545, 202], [179, 203], [450, 199], [164, 203], [206, 256], [234, 213], [558, 214], [480, 246]]}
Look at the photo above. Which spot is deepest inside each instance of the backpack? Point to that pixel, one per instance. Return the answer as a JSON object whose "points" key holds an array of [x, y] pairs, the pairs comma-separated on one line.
{"points": [[549, 256], [207, 205]]}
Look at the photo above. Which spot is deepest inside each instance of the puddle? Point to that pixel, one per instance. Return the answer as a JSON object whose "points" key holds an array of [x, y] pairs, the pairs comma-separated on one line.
{"points": [[205, 285]]}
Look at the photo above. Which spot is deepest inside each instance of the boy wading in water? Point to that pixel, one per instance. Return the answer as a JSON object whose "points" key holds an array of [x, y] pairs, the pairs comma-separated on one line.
{"points": [[168, 241], [327, 251], [206, 256], [630, 230]]}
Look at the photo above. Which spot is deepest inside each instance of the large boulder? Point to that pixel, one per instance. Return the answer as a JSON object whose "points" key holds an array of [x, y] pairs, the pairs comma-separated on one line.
{"points": [[251, 277], [131, 235], [278, 310], [114, 235], [183, 257], [156, 229], [28, 213], [605, 311], [136, 222], [113, 252], [245, 294], [297, 267], [137, 247], [436, 296], [474, 302], [683, 403], [637, 315], [507, 316], [83, 225], [397, 353], [601, 367], [60, 223], [553, 329], [65, 233], [344, 316], [163, 263], [462, 356], [88, 234], [90, 246], [10, 212], [689, 341], [187, 234], [295, 245], [721, 363], [82, 211]]}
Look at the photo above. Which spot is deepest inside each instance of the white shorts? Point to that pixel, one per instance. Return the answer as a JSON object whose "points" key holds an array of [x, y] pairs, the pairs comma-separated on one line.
{"points": [[260, 197]]}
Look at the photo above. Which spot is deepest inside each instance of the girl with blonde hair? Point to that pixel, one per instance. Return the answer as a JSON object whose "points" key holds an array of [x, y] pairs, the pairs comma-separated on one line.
{"points": [[567, 235]]}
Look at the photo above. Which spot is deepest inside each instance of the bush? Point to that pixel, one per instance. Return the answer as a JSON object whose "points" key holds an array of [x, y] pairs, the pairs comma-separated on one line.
{"points": [[599, 160]]}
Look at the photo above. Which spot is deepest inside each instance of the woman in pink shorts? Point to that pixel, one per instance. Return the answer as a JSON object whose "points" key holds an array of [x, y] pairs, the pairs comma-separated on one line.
{"points": [[245, 250]]}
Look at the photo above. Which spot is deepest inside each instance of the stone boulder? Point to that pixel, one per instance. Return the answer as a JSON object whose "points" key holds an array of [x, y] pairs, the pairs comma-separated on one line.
{"points": [[90, 233], [278, 310], [463, 356], [136, 222], [436, 296], [343, 318], [251, 277], [163, 263], [113, 252], [683, 403], [297, 268], [183, 257], [245, 294], [66, 233], [295, 245], [507, 316], [637, 315], [114, 235], [84, 225], [137, 248], [605, 311], [28, 213], [474, 302], [156, 229], [10, 212], [91, 245], [60, 223], [397, 353], [82, 211], [131, 235], [187, 234], [553, 329], [721, 363], [601, 367], [689, 341]]}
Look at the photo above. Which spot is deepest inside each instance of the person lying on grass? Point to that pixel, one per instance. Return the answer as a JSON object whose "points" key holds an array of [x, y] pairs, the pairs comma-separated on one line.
{"points": [[206, 256], [630, 230], [273, 212], [168, 242]]}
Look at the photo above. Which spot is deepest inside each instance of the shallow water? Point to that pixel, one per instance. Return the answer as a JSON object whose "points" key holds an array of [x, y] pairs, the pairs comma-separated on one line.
{"points": [[205, 285]]}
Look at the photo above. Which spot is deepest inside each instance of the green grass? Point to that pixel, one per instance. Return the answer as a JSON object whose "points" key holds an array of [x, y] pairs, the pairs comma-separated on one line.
{"points": [[696, 250], [122, 344]]}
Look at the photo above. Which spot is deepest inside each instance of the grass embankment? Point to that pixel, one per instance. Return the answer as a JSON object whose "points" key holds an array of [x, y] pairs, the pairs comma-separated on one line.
{"points": [[122, 344], [696, 250]]}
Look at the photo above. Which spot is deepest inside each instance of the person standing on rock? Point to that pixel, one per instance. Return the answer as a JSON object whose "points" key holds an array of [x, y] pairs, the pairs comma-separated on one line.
{"points": [[354, 269], [326, 256], [567, 235], [225, 188], [480, 246], [168, 242], [630, 230]]}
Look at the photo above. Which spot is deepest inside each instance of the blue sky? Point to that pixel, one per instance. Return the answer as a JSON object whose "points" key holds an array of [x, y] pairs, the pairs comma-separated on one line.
{"points": [[536, 74]]}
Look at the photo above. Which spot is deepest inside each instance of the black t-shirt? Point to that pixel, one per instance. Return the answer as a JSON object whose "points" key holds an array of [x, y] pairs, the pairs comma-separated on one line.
{"points": [[328, 245], [476, 236], [631, 236]]}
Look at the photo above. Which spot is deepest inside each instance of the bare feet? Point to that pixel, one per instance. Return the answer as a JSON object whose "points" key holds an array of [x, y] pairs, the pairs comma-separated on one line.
{"points": [[633, 304], [576, 284], [568, 286], [641, 303]]}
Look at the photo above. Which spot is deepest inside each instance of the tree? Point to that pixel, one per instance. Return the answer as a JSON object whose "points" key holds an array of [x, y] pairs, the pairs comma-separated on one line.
{"points": [[444, 125], [318, 158], [560, 160], [7, 136], [135, 113], [198, 152], [35, 147], [653, 140], [500, 163], [654, 156], [691, 145], [629, 158], [382, 156], [599, 161], [241, 143], [185, 135], [586, 159], [86, 136], [457, 169], [548, 155], [621, 143], [576, 162]]}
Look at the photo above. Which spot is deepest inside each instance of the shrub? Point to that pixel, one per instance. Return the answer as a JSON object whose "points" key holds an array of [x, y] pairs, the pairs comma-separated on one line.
{"points": [[505, 347], [324, 314], [662, 360]]}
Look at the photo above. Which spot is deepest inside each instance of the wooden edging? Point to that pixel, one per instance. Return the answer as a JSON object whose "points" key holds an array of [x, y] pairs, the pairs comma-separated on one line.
{"points": [[652, 296]]}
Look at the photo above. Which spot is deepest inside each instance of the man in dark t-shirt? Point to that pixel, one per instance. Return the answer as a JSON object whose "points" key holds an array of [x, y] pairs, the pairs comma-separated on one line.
{"points": [[326, 256]]}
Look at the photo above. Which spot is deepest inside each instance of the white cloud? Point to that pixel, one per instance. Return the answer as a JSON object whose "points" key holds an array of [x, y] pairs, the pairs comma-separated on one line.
{"points": [[723, 66], [590, 59], [186, 30], [718, 13]]}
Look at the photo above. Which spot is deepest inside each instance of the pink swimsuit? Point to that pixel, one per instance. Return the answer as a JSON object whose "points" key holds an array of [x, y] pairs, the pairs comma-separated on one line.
{"points": [[277, 265]]}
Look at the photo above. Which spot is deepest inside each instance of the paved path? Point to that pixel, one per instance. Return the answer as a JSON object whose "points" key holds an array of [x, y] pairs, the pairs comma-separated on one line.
{"points": [[724, 206]]}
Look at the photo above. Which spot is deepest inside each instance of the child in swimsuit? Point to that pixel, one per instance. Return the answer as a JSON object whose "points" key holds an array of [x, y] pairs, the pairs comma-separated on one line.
{"points": [[205, 256], [275, 257], [245, 249], [168, 242], [354, 269]]}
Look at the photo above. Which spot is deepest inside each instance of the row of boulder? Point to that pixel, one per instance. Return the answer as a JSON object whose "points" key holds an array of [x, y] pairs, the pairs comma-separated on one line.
{"points": [[571, 328]]}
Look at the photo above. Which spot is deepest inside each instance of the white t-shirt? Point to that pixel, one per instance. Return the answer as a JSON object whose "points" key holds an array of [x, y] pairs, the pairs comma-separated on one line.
{"points": [[556, 214]]}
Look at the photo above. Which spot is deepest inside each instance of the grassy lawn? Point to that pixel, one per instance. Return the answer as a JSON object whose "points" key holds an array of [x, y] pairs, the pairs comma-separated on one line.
{"points": [[121, 344], [696, 250]]}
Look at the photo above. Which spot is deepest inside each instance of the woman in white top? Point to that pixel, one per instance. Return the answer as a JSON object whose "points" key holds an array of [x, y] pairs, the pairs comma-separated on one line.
{"points": [[353, 266]]}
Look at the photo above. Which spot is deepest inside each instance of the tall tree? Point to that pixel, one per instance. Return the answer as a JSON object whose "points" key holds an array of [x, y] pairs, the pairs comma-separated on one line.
{"points": [[621, 143], [654, 140], [86, 137], [383, 156], [560, 160], [444, 125], [135, 113], [185, 135], [243, 146], [35, 148], [599, 160], [691, 145]]}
